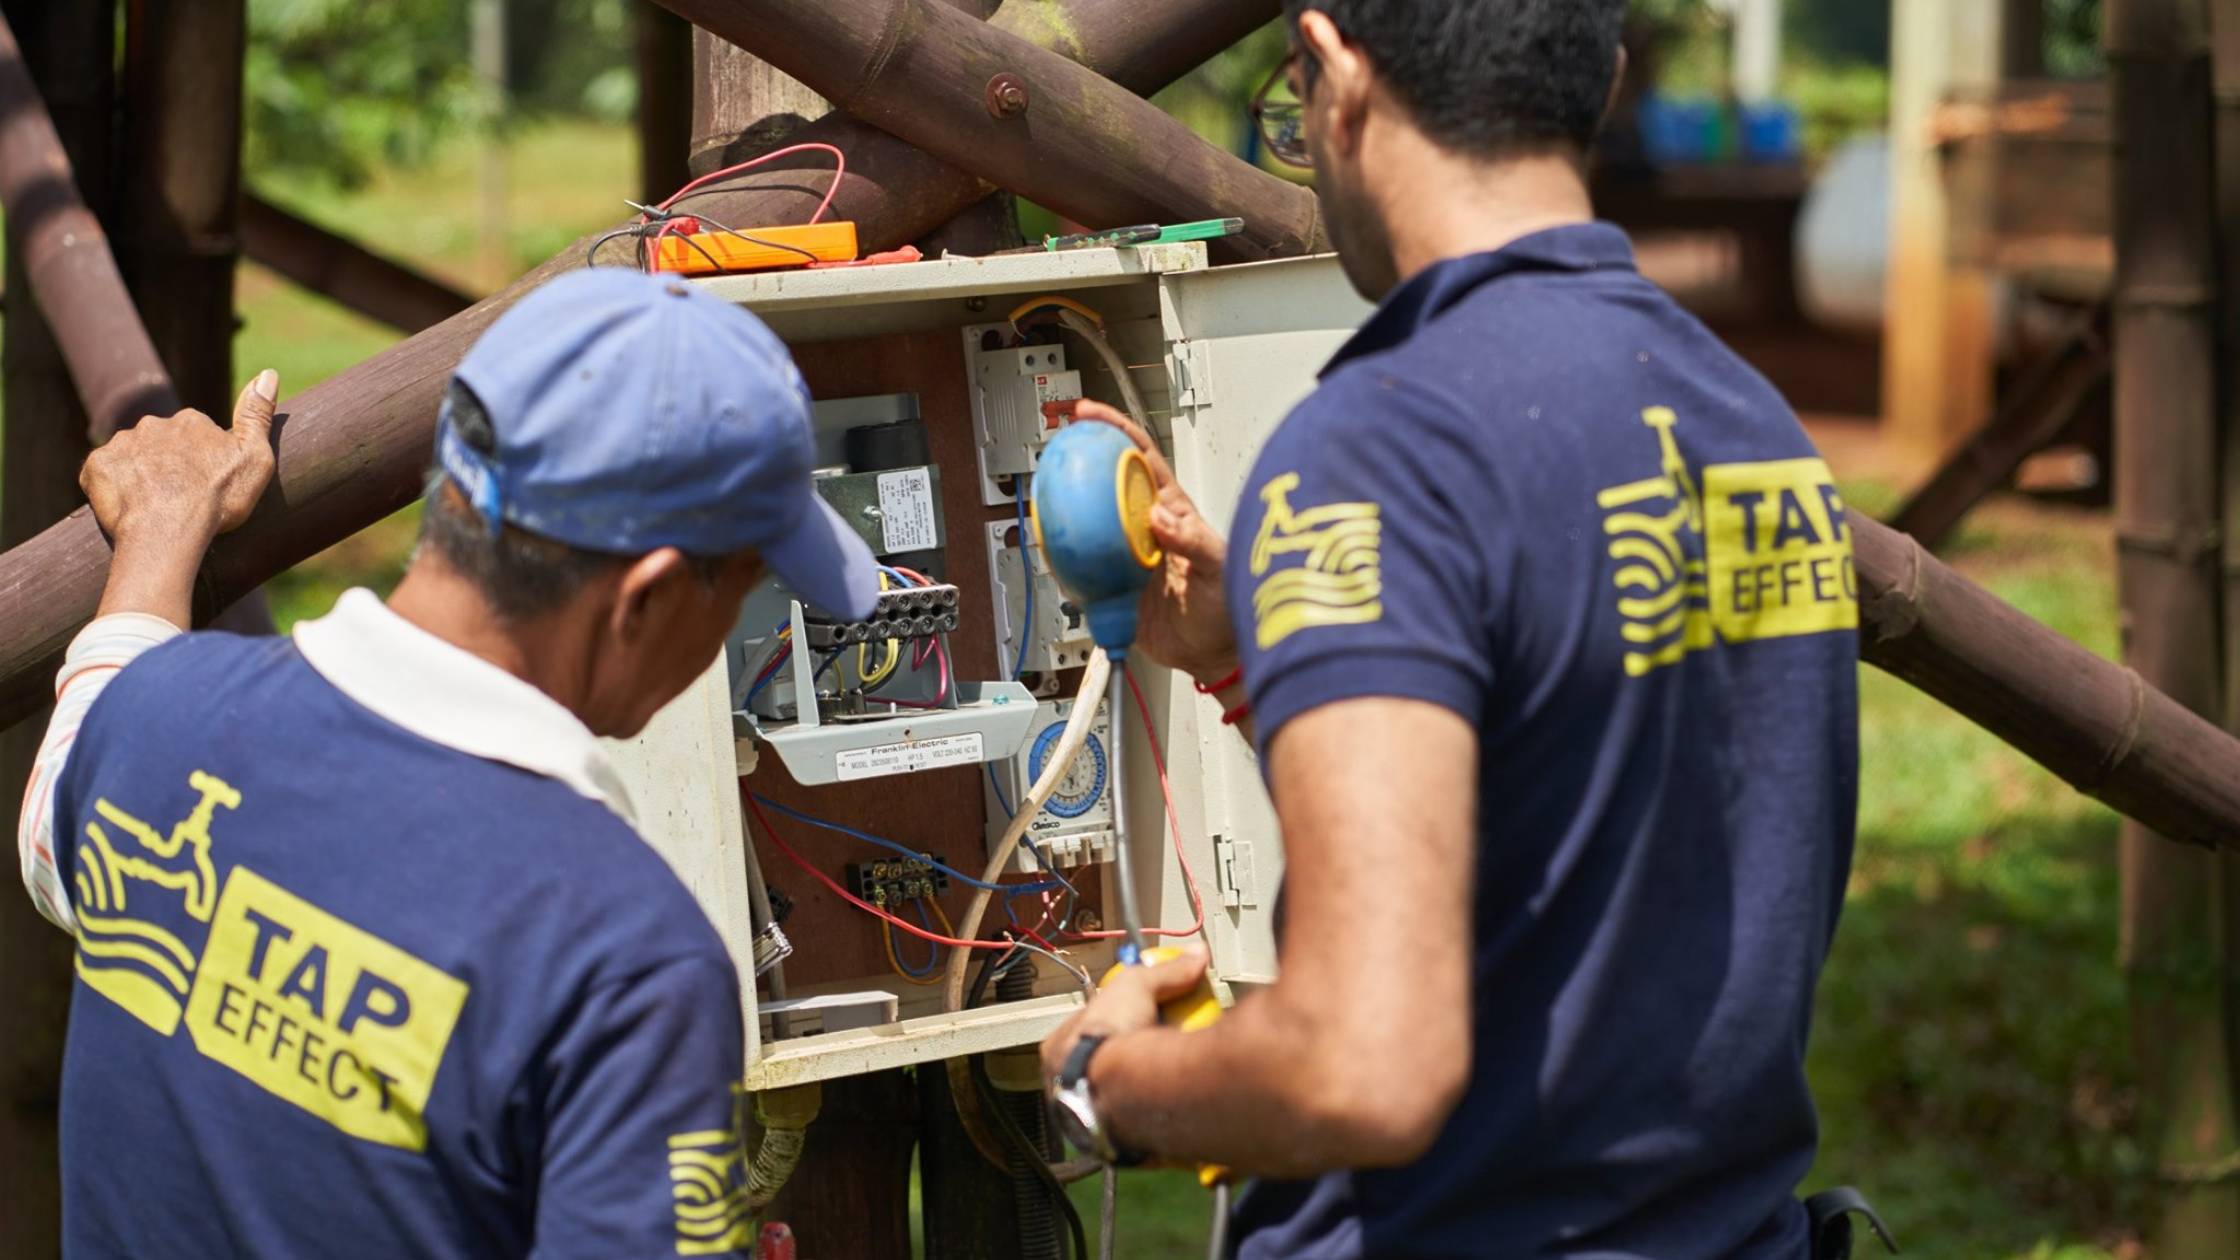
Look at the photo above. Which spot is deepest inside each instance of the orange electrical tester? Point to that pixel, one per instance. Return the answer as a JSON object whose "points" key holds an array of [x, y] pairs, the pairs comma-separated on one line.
{"points": [[769, 247]]}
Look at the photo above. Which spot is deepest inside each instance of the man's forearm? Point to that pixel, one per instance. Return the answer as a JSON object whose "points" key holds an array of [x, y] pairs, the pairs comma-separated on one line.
{"points": [[154, 567], [1260, 1093]]}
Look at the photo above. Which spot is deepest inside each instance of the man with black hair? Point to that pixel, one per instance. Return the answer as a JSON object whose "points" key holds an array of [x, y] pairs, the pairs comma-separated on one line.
{"points": [[1543, 610], [372, 960]]}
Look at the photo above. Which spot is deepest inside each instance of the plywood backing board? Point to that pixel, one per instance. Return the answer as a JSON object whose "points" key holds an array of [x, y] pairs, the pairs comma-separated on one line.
{"points": [[942, 812]]}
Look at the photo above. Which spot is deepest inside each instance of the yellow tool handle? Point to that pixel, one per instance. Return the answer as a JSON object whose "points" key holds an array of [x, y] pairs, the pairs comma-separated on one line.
{"points": [[1199, 1008]]}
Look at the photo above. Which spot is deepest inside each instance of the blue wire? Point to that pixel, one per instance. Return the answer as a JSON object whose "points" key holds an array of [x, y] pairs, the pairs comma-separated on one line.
{"points": [[933, 964], [779, 668], [915, 856], [1026, 626]]}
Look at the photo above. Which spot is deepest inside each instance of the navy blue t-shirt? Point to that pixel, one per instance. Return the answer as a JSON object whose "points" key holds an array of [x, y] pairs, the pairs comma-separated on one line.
{"points": [[345, 992], [1534, 491]]}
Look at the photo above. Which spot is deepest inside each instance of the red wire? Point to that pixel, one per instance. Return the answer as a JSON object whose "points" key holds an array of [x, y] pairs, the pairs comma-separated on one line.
{"points": [[1174, 823], [839, 173], [853, 900]]}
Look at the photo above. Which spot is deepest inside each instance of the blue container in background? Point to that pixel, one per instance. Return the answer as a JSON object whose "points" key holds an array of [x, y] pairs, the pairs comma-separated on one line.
{"points": [[1679, 131], [1771, 132]]}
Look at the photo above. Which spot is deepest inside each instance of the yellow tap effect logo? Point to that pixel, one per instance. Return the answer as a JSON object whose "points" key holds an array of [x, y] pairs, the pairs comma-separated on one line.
{"points": [[1338, 579], [314, 1009], [707, 1179], [1762, 551]]}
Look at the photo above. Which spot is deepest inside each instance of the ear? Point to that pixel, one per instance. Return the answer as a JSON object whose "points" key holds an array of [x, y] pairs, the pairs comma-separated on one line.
{"points": [[1617, 86], [644, 584], [1344, 82]]}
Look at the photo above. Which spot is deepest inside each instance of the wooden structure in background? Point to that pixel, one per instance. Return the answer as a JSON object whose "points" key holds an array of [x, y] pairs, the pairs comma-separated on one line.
{"points": [[68, 50], [356, 446], [2167, 383], [1939, 343]]}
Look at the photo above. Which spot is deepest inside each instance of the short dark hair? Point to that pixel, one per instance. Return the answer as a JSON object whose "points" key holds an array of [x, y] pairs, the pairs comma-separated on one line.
{"points": [[522, 575], [1490, 78]]}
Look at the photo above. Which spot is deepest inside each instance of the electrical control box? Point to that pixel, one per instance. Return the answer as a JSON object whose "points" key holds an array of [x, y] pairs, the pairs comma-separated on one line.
{"points": [[1080, 823], [1020, 395], [1022, 587], [926, 379]]}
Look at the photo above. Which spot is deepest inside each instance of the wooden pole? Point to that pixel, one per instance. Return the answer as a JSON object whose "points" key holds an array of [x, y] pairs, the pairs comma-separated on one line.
{"points": [[664, 59], [339, 268], [1938, 347], [67, 264], [741, 105], [2167, 280], [902, 67], [356, 447], [182, 156], [69, 50], [2224, 32]]}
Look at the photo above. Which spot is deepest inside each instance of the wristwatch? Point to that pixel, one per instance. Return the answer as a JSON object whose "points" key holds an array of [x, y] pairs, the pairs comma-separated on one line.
{"points": [[1077, 1108]]}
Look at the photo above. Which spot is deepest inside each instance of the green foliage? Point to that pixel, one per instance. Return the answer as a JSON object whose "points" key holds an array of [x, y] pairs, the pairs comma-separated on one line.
{"points": [[1839, 32], [338, 87], [2073, 39]]}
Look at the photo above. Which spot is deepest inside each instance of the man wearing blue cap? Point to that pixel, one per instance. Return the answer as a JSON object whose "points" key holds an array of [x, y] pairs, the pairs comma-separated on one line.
{"points": [[370, 958]]}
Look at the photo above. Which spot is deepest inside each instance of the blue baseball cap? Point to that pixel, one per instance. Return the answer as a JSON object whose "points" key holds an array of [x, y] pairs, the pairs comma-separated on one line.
{"points": [[636, 412]]}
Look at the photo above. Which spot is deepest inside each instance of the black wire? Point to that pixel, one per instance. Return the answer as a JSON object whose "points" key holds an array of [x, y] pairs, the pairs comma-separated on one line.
{"points": [[591, 256], [1037, 1161], [752, 240]]}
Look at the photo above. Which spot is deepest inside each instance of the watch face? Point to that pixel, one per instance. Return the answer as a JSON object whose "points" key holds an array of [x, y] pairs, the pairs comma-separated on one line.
{"points": [[1084, 782], [1077, 1119]]}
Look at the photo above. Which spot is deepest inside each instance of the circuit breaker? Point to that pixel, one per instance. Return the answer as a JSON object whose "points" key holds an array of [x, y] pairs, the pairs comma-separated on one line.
{"points": [[1020, 394], [1059, 638], [1080, 823]]}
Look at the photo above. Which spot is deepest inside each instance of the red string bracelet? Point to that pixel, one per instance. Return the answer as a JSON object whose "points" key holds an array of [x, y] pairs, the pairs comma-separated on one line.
{"points": [[1238, 714], [1231, 679]]}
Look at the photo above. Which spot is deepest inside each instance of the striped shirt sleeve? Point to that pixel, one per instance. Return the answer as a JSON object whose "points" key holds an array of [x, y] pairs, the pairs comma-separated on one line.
{"points": [[105, 646]]}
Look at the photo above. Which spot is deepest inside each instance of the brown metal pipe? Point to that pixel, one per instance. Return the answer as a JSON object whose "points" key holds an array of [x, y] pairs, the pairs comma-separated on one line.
{"points": [[340, 268], [1038, 124], [73, 275]]}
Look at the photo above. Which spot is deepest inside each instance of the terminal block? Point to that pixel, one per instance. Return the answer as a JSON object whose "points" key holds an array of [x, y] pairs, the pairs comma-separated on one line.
{"points": [[918, 612], [895, 880]]}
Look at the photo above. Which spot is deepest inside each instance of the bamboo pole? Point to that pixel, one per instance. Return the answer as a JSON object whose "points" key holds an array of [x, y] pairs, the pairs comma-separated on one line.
{"points": [[68, 264], [2167, 281], [339, 268], [68, 49]]}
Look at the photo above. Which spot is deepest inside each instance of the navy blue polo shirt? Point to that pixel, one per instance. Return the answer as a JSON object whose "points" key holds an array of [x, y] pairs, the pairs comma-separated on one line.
{"points": [[1534, 491], [342, 991]]}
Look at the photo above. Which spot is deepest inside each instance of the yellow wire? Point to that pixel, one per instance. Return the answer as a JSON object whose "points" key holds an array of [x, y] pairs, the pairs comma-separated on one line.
{"points": [[941, 917], [866, 677], [1052, 299], [894, 960]]}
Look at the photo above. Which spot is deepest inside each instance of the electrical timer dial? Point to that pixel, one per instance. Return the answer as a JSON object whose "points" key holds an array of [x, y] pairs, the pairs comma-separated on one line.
{"points": [[1084, 782]]}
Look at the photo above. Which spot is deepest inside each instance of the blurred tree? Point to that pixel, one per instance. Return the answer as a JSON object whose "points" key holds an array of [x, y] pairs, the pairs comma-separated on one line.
{"points": [[338, 87], [2073, 39], [1840, 32]]}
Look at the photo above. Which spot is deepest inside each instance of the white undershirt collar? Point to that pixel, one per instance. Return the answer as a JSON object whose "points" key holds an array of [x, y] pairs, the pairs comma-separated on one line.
{"points": [[448, 695]]}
